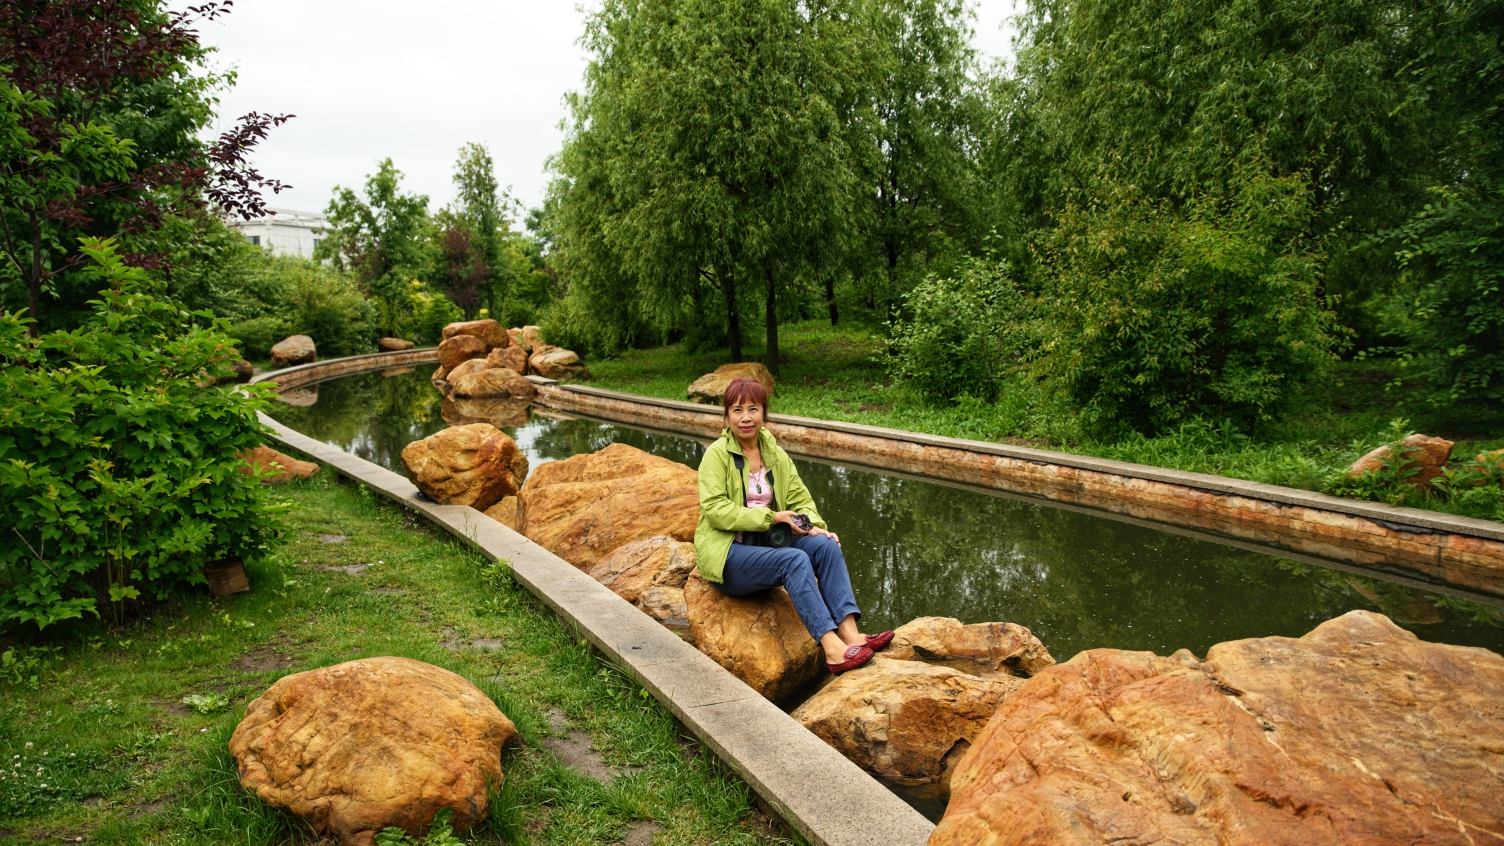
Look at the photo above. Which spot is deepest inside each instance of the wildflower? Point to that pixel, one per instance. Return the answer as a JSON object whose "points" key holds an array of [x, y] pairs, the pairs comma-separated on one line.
{"points": [[28, 744]]}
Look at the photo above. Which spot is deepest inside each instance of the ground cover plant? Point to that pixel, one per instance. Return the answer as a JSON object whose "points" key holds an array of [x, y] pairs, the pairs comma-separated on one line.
{"points": [[118, 733], [842, 374]]}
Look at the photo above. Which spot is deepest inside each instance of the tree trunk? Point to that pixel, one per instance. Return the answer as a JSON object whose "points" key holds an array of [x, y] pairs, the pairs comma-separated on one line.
{"points": [[830, 299], [771, 360], [34, 284], [733, 320]]}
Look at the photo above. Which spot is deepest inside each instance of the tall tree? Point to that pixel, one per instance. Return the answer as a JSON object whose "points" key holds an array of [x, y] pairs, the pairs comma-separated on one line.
{"points": [[100, 110], [479, 205], [380, 239]]}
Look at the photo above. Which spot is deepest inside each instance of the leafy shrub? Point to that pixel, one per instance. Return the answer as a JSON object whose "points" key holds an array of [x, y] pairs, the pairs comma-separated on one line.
{"points": [[256, 336], [119, 476], [1152, 314], [324, 304], [427, 315], [960, 338]]}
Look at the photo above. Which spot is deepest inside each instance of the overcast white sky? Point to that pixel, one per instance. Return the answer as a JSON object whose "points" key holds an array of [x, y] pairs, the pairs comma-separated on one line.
{"points": [[412, 81]]}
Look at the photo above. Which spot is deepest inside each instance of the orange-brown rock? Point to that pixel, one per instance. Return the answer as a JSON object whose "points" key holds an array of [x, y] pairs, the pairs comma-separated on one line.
{"points": [[519, 341], [264, 459], [980, 649], [712, 386], [557, 363], [632, 568], [474, 465], [465, 368], [393, 344], [508, 513], [361, 746], [512, 357], [666, 605], [758, 638], [296, 349], [303, 397], [460, 348], [903, 720], [503, 413], [491, 333], [532, 338], [584, 507], [438, 377], [1425, 456], [1357, 732], [491, 382], [243, 370]]}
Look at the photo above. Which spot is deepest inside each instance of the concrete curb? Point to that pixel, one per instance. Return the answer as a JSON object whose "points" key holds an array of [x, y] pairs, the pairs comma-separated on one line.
{"points": [[828, 799]]}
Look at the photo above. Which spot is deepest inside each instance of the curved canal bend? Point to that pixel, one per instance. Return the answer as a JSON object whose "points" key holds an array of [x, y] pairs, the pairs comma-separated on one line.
{"points": [[918, 548]]}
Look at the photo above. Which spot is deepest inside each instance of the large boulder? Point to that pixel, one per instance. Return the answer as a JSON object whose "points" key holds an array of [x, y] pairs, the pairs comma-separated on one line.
{"points": [[460, 348], [905, 721], [1357, 732], [512, 357], [440, 378], [491, 333], [531, 338], [474, 465], [508, 512], [759, 637], [1425, 455], [465, 368], [503, 413], [667, 605], [284, 468], [980, 649], [393, 344], [297, 349], [519, 341], [243, 370], [712, 386], [361, 746], [557, 363], [584, 507], [630, 570], [491, 382]]}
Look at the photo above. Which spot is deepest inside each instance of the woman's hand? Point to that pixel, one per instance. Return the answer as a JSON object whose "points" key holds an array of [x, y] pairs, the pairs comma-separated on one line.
{"points": [[819, 532], [788, 517]]}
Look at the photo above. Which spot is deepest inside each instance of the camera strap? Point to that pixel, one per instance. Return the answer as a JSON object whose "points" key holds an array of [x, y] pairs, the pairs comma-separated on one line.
{"points": [[753, 538]]}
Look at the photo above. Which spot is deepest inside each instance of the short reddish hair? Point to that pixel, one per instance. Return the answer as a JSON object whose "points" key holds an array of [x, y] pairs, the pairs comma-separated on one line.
{"points": [[744, 390]]}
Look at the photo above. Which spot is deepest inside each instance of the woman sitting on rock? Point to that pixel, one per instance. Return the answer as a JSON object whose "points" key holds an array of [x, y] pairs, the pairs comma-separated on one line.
{"points": [[747, 485]]}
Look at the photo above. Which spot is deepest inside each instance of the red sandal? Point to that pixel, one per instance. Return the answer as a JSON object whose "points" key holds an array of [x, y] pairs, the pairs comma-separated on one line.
{"points": [[856, 656], [878, 641]]}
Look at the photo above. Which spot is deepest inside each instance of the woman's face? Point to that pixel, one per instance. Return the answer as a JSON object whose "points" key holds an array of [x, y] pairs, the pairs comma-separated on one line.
{"points": [[744, 419]]}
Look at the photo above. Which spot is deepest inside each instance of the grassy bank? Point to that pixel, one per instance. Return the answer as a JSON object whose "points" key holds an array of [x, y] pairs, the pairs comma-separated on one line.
{"points": [[835, 374], [98, 742]]}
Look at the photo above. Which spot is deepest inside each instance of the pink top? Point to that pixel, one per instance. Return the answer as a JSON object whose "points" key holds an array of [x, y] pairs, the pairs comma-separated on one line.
{"points": [[759, 493]]}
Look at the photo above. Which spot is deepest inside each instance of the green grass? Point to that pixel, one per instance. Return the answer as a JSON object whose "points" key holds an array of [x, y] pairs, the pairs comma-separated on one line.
{"points": [[96, 712], [835, 373]]}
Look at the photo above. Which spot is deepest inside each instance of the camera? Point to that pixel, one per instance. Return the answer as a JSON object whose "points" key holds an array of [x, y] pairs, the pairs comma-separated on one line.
{"points": [[782, 534]]}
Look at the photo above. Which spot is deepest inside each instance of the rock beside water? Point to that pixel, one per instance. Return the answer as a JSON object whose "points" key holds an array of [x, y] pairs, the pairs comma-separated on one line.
{"points": [[630, 570], [473, 465], [393, 344], [1357, 732], [489, 332], [460, 348], [980, 649], [759, 638], [297, 349], [557, 363], [1426, 455], [712, 386], [490, 382], [512, 357], [360, 746]]}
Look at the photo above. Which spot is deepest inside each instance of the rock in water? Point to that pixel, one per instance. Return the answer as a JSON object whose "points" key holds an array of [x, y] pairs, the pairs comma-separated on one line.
{"points": [[286, 468], [980, 649], [633, 568], [1426, 455], [465, 368], [460, 348], [491, 383], [474, 465], [297, 349], [393, 344], [556, 363], [759, 638], [491, 333], [512, 357], [712, 386], [584, 507], [1357, 732], [903, 720], [368, 744], [439, 377]]}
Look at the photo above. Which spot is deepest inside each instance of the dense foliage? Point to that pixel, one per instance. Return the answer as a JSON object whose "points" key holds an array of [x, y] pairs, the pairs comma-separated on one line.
{"points": [[119, 475]]}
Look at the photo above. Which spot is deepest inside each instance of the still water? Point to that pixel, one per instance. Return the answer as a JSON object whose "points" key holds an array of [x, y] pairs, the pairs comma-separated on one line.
{"points": [[917, 548]]}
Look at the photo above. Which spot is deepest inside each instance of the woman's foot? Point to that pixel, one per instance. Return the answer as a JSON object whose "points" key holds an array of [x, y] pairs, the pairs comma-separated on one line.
{"points": [[878, 641], [855, 657]]}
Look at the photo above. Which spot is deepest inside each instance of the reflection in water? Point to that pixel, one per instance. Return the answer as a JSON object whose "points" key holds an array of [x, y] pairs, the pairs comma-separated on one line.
{"points": [[917, 548]]}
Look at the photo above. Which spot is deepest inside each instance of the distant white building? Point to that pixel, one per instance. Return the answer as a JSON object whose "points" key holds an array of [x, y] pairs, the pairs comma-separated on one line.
{"points": [[286, 233]]}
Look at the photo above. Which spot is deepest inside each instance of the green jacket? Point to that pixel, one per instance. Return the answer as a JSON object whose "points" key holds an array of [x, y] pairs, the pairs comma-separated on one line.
{"points": [[723, 491]]}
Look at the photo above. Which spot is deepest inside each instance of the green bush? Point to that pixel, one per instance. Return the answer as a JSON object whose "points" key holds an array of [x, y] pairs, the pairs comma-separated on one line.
{"points": [[255, 337], [427, 315], [324, 304], [961, 334], [1152, 314], [119, 475]]}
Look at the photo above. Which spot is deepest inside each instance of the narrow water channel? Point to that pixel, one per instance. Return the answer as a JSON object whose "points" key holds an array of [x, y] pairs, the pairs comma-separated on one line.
{"points": [[918, 548]]}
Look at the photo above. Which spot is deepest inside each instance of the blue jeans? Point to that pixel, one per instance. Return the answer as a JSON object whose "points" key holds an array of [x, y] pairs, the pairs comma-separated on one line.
{"points": [[813, 571]]}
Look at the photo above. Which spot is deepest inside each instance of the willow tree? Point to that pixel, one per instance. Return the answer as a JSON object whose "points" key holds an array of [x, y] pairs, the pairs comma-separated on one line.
{"points": [[712, 152]]}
